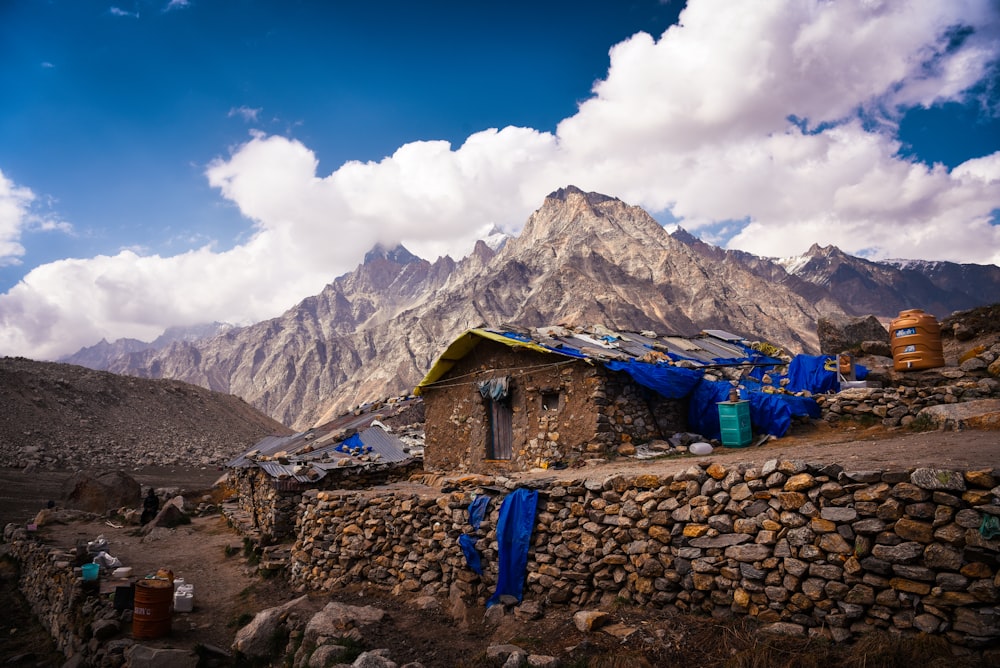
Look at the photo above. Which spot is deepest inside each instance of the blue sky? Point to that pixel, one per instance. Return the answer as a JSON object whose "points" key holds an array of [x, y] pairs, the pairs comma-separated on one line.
{"points": [[168, 162]]}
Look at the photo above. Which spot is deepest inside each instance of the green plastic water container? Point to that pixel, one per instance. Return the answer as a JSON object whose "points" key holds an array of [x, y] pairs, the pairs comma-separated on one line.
{"points": [[734, 422]]}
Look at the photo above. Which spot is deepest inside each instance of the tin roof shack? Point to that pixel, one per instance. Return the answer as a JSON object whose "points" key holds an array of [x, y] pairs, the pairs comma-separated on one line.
{"points": [[510, 400], [270, 477]]}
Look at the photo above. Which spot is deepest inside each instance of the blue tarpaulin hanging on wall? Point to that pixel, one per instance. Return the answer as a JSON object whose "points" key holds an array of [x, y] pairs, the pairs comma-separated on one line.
{"points": [[517, 519], [468, 544], [477, 511], [815, 373], [672, 382]]}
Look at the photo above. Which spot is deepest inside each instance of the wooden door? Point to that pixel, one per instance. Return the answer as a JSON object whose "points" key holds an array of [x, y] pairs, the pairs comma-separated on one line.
{"points": [[501, 430]]}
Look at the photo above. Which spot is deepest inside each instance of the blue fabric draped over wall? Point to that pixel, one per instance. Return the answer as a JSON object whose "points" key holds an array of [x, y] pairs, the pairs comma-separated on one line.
{"points": [[517, 519], [673, 382]]}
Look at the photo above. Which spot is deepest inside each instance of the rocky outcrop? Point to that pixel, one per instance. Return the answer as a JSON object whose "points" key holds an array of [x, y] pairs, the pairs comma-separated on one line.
{"points": [[840, 333]]}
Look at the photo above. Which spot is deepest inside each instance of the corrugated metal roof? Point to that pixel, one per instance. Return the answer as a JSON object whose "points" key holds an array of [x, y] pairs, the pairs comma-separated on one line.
{"points": [[598, 344], [380, 449], [385, 445], [323, 437], [266, 447]]}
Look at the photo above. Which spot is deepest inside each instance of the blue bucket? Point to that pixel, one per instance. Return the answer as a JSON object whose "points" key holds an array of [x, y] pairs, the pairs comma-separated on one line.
{"points": [[90, 571]]}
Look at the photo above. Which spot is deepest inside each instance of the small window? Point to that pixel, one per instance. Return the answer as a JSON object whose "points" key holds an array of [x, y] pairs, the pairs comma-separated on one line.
{"points": [[550, 401]]}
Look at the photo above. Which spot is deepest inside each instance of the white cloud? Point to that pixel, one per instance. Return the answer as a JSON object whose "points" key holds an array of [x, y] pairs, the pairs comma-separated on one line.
{"points": [[177, 4], [118, 11], [248, 114], [17, 217], [695, 122]]}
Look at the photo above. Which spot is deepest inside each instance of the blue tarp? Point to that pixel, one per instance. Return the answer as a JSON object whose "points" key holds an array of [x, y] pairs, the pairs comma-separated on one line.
{"points": [[477, 511], [352, 443], [815, 373], [673, 382], [468, 544], [818, 374], [517, 519], [769, 413]]}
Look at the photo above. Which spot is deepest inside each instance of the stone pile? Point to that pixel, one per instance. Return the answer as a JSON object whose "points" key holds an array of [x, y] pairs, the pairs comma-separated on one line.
{"points": [[806, 550]]}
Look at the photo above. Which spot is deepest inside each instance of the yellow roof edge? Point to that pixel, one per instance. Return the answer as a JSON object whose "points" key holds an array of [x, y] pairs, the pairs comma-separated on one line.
{"points": [[461, 347]]}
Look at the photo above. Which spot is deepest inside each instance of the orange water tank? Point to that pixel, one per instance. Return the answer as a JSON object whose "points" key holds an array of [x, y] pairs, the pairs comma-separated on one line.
{"points": [[916, 341]]}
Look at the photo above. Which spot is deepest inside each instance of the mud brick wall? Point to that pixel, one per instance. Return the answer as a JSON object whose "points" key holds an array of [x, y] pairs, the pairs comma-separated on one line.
{"points": [[806, 550]]}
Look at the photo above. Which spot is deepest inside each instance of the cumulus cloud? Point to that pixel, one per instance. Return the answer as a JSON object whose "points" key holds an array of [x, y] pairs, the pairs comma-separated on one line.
{"points": [[17, 216], [765, 126]]}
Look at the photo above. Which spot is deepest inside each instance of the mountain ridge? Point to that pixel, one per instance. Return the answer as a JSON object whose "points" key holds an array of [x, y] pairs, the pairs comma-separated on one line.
{"points": [[581, 259]]}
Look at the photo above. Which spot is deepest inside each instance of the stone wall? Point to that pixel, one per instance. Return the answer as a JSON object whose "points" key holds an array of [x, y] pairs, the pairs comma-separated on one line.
{"points": [[595, 410], [805, 550], [77, 617], [899, 406], [271, 506], [631, 413]]}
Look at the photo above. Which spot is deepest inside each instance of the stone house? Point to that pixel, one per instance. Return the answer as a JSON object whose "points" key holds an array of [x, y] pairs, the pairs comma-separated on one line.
{"points": [[374, 445], [502, 400]]}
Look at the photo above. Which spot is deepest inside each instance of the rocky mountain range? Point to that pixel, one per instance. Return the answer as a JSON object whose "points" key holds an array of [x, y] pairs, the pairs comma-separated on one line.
{"points": [[582, 259]]}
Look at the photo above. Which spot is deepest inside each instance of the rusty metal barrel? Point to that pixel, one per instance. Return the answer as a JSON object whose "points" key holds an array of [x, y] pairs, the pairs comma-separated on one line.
{"points": [[152, 608]]}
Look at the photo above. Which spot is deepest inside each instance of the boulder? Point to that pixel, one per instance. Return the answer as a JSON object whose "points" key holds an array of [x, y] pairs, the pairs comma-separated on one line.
{"points": [[839, 333], [168, 517], [101, 493], [336, 619], [254, 640], [877, 348], [976, 414]]}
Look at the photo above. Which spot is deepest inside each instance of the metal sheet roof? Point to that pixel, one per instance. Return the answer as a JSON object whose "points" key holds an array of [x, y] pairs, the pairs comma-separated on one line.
{"points": [[381, 450], [324, 436], [596, 344]]}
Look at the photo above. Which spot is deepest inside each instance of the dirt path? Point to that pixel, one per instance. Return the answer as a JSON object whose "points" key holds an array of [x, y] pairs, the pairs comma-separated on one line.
{"points": [[857, 449], [206, 553]]}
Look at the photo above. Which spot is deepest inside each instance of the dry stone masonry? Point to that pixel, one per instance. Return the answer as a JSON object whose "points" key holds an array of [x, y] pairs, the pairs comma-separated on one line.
{"points": [[82, 623], [806, 550]]}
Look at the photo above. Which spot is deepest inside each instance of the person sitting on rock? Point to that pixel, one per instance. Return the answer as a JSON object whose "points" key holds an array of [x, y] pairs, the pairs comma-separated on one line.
{"points": [[150, 506]]}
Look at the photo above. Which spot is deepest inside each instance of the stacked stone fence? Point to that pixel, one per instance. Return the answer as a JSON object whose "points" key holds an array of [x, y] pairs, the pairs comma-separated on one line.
{"points": [[804, 549], [271, 505], [79, 620], [901, 405]]}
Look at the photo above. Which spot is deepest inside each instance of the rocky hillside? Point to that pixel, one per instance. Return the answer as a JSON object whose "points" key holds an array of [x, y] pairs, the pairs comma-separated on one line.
{"points": [[62, 416]]}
